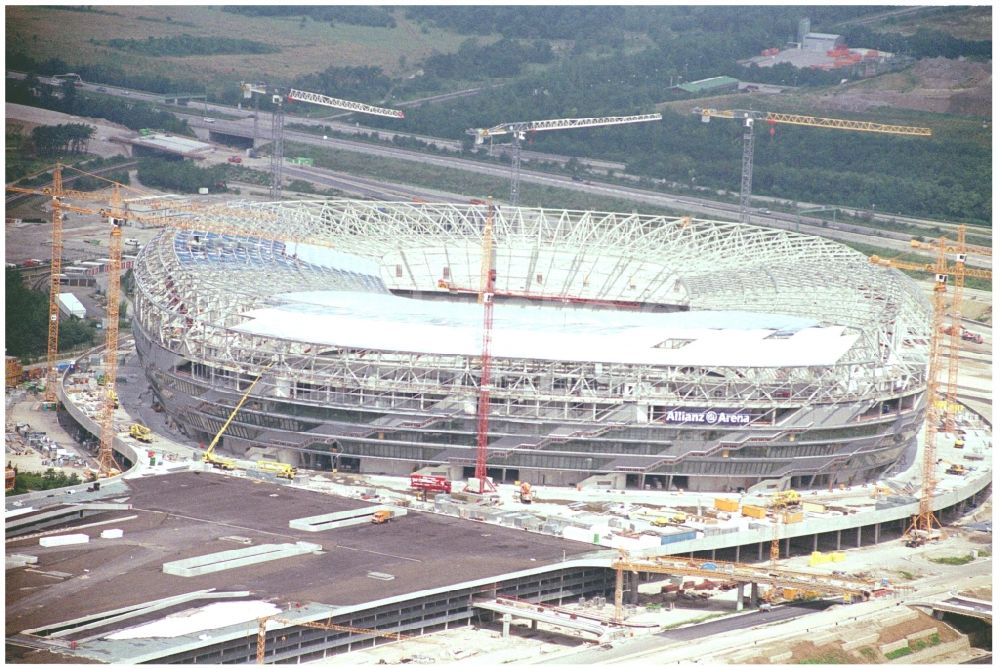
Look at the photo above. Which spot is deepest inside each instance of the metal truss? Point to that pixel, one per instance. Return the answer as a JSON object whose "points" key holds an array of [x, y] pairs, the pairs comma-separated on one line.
{"points": [[192, 288]]}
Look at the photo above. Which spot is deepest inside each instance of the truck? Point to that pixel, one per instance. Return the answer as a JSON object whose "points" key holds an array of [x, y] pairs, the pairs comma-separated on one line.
{"points": [[966, 335], [430, 483], [969, 335], [381, 516], [141, 433], [524, 494], [280, 469]]}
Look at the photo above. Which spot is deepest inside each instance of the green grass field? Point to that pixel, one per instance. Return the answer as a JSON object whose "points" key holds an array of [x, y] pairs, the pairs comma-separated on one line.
{"points": [[306, 47]]}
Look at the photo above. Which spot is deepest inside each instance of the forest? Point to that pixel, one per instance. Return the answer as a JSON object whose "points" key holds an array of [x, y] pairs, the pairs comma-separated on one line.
{"points": [[576, 61], [27, 314], [188, 45], [49, 140]]}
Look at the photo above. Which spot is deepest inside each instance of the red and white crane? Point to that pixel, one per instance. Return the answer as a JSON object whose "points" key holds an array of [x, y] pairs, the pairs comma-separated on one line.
{"points": [[517, 132], [486, 289], [278, 120]]}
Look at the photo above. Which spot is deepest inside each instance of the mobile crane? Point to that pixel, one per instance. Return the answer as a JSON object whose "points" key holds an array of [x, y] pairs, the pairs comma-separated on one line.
{"points": [[228, 464], [517, 132]]}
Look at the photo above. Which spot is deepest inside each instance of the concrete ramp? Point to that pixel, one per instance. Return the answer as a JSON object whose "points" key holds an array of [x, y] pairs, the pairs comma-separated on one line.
{"points": [[333, 521], [241, 557]]}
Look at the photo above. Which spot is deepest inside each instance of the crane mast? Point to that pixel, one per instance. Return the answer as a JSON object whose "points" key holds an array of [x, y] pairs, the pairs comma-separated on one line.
{"points": [[748, 116], [939, 405], [486, 295], [105, 456], [517, 132]]}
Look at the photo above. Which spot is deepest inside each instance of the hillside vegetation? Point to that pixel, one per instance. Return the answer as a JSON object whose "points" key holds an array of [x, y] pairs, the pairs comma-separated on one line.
{"points": [[540, 62]]}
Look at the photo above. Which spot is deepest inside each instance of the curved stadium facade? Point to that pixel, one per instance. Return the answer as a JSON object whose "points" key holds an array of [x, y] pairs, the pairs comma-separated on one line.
{"points": [[641, 350]]}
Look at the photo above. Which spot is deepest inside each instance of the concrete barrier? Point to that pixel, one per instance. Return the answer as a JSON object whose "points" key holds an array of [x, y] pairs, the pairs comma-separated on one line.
{"points": [[887, 648], [241, 557], [927, 655], [780, 658], [858, 642], [923, 634]]}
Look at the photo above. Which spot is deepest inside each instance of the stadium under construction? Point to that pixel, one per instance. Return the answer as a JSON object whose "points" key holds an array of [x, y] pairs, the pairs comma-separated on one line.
{"points": [[650, 351], [677, 358]]}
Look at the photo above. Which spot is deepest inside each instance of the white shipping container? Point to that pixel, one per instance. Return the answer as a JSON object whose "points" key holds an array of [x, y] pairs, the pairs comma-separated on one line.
{"points": [[112, 534], [64, 540]]}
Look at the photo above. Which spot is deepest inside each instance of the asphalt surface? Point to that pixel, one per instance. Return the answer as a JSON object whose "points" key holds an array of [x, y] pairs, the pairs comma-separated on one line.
{"points": [[189, 514], [634, 648]]}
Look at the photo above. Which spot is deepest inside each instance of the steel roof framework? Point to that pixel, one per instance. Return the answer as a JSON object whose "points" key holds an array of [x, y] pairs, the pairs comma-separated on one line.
{"points": [[191, 307]]}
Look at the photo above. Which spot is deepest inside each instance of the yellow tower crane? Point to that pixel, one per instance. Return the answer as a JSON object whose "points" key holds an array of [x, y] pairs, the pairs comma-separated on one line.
{"points": [[924, 523], [960, 250], [748, 117], [58, 195]]}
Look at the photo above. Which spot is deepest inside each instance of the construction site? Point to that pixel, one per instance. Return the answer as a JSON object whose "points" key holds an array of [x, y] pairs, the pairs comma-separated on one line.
{"points": [[391, 432]]}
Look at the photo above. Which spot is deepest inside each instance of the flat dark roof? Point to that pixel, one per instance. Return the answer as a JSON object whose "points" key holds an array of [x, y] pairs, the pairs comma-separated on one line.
{"points": [[187, 514]]}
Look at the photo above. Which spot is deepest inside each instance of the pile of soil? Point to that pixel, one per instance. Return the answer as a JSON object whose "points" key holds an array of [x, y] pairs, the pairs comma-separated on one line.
{"points": [[938, 85]]}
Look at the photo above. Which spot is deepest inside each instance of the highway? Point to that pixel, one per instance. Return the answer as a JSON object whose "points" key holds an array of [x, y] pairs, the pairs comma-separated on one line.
{"points": [[242, 125], [632, 649]]}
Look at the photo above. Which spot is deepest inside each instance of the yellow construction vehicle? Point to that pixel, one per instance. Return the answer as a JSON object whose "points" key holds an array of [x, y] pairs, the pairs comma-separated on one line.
{"points": [[209, 456], [675, 518], [114, 397], [141, 433], [280, 469], [785, 499], [525, 495], [381, 516], [960, 470]]}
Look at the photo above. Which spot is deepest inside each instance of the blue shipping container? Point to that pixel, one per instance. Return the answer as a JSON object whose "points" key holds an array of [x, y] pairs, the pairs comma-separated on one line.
{"points": [[680, 536]]}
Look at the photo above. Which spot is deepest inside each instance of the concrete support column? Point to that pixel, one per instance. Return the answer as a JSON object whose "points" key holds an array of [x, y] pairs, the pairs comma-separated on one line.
{"points": [[737, 558], [739, 596], [534, 625], [838, 540], [877, 525], [859, 536], [713, 553], [760, 551], [815, 542], [753, 595], [506, 625]]}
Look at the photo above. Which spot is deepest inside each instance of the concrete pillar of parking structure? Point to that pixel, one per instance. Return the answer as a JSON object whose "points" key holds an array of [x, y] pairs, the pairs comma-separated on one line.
{"points": [[506, 625], [754, 594], [534, 625], [737, 558], [815, 542], [739, 596], [838, 540], [859, 536], [877, 525], [713, 554], [760, 551]]}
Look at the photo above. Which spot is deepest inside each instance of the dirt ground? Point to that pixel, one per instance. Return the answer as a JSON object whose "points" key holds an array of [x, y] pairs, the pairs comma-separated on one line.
{"points": [[939, 85]]}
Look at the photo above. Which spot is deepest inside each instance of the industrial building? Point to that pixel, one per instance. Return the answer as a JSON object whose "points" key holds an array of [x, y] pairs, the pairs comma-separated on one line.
{"points": [[69, 305], [640, 351], [823, 42], [710, 85]]}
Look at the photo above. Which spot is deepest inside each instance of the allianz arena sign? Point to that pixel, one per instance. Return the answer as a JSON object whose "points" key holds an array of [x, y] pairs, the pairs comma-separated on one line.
{"points": [[707, 417]]}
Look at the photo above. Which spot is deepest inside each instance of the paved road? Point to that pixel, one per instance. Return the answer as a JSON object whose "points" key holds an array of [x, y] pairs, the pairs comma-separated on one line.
{"points": [[634, 648], [697, 206]]}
